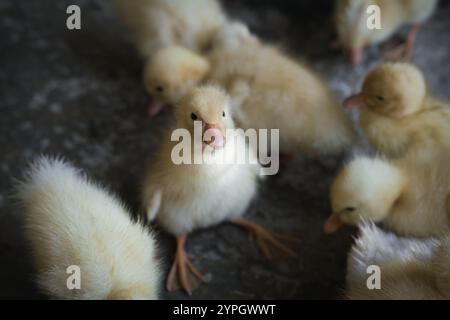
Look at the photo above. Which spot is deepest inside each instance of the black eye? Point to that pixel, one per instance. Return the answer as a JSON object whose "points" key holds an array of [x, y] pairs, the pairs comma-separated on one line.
{"points": [[159, 89], [194, 116], [380, 98], [349, 209], [223, 114]]}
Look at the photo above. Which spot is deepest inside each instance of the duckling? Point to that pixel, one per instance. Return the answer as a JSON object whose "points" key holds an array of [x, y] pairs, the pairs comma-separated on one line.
{"points": [[71, 222], [157, 24], [174, 70], [410, 196], [398, 115], [269, 90], [183, 197], [405, 264], [351, 18]]}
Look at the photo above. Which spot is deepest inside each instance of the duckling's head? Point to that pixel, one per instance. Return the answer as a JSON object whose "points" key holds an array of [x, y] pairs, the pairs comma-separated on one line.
{"points": [[365, 190], [351, 25], [207, 107], [170, 73], [392, 89]]}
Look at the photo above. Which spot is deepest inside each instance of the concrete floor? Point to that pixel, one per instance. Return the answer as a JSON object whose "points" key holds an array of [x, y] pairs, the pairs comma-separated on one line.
{"points": [[78, 94]]}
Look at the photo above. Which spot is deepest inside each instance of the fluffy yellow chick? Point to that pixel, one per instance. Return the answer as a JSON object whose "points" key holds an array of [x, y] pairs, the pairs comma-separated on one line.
{"points": [[410, 196], [269, 90], [71, 221], [157, 24], [351, 20], [184, 197], [398, 115], [406, 267]]}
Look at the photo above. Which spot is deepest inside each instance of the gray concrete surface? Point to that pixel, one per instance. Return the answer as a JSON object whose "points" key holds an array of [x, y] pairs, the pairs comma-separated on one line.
{"points": [[78, 94]]}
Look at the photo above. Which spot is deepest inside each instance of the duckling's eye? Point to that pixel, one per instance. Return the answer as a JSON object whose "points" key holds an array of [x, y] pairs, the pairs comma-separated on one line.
{"points": [[223, 114], [194, 116], [159, 89], [349, 209], [380, 98]]}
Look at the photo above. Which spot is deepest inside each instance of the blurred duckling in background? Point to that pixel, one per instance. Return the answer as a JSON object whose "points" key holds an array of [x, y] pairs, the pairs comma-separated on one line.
{"points": [[185, 197], [71, 221], [351, 18], [410, 196], [268, 90], [398, 115], [171, 73], [408, 268], [156, 24]]}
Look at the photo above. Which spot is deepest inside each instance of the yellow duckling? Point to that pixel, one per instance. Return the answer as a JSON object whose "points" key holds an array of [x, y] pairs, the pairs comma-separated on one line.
{"points": [[398, 115]]}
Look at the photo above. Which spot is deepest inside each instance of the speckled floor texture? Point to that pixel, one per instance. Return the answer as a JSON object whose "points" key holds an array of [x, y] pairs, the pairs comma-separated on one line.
{"points": [[78, 94]]}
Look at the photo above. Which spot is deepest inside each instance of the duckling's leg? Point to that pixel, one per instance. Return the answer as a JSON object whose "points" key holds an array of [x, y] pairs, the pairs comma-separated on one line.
{"points": [[181, 266], [403, 50], [263, 237], [410, 41]]}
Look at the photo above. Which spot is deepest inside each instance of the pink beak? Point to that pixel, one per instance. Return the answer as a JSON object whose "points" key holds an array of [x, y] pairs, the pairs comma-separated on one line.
{"points": [[355, 101], [216, 138], [154, 108], [333, 224]]}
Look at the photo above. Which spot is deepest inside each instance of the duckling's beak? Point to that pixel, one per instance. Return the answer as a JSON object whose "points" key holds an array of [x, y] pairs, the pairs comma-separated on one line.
{"points": [[333, 224], [213, 136], [154, 107], [355, 101]]}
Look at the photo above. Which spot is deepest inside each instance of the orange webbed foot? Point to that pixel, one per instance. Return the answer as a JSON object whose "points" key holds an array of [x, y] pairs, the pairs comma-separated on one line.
{"points": [[264, 238], [181, 269]]}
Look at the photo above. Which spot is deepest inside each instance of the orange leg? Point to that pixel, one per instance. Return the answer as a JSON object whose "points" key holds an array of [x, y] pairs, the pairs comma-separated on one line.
{"points": [[410, 41], [181, 266], [404, 50], [263, 238]]}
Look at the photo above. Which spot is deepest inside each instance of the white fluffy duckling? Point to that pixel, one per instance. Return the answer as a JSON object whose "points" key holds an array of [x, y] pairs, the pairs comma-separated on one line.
{"points": [[71, 221], [407, 270], [351, 18], [269, 90], [185, 197], [398, 115], [157, 24], [410, 196]]}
